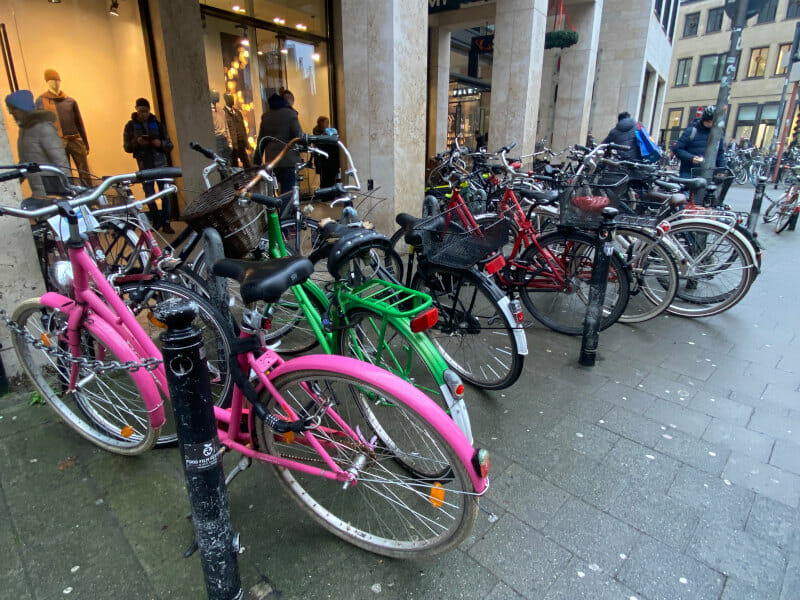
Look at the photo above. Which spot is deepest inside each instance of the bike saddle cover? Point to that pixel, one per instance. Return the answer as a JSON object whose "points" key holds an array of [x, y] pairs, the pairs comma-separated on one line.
{"points": [[415, 234], [354, 243], [540, 196], [590, 204], [264, 280], [406, 221], [674, 200], [695, 183]]}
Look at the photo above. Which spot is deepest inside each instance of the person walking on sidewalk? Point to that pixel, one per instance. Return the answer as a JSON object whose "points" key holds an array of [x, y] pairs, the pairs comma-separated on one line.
{"points": [[691, 146], [624, 133], [145, 137]]}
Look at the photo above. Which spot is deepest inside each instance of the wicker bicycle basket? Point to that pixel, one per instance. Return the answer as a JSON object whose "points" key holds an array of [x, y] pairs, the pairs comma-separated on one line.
{"points": [[581, 205], [240, 227], [460, 247]]}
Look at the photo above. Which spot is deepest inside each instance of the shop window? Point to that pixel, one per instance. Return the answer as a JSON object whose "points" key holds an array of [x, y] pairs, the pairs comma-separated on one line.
{"points": [[682, 73], [783, 51], [793, 10], [758, 62], [767, 12], [711, 68], [674, 118], [714, 22], [690, 24]]}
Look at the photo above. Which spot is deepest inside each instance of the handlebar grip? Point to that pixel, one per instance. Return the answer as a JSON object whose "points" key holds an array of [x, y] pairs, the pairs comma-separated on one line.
{"points": [[9, 176], [580, 148], [268, 201], [202, 150], [321, 139], [330, 193], [618, 146], [160, 173]]}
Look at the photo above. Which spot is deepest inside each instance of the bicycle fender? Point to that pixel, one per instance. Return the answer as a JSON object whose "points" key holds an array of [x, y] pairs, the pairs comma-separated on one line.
{"points": [[733, 232], [108, 335], [405, 392], [504, 303]]}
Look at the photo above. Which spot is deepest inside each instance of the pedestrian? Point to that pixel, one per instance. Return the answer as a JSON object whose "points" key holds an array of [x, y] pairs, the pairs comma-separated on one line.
{"points": [[691, 146], [624, 133], [38, 142], [279, 125], [326, 168], [480, 141], [237, 131], [145, 137]]}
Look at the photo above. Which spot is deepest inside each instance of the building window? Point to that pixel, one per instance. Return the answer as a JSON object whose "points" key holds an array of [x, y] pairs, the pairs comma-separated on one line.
{"points": [[682, 74], [714, 22], [657, 8], [712, 67], [793, 11], [758, 62], [690, 25], [756, 123], [783, 50], [767, 12], [674, 118]]}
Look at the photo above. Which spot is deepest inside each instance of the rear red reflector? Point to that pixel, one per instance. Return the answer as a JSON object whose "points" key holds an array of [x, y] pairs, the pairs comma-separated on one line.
{"points": [[459, 390], [425, 320], [494, 265]]}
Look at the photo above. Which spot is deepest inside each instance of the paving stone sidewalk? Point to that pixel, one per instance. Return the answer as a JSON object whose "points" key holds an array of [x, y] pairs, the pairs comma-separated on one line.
{"points": [[670, 470]]}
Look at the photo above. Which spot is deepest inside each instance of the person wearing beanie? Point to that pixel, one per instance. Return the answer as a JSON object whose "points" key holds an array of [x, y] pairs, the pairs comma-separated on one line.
{"points": [[279, 125], [38, 142], [68, 122], [145, 137]]}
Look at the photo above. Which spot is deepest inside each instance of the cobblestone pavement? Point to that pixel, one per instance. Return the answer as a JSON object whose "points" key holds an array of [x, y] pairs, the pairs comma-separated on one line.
{"points": [[670, 470]]}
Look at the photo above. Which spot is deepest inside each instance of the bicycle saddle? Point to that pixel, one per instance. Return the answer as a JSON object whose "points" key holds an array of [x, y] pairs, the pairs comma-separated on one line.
{"points": [[265, 280], [343, 243], [539, 196], [674, 200], [695, 183]]}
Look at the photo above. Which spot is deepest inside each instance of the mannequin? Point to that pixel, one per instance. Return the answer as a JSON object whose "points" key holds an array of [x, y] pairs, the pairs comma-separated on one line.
{"points": [[68, 123], [237, 131], [221, 132]]}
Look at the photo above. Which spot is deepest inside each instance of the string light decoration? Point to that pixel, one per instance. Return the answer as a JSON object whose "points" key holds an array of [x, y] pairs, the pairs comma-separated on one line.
{"points": [[237, 65]]}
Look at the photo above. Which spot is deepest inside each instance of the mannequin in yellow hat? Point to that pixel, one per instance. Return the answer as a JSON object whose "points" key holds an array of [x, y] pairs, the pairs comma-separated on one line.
{"points": [[68, 123]]}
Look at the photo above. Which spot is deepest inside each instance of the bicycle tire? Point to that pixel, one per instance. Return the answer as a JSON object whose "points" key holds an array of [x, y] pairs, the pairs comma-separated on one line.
{"points": [[654, 274], [123, 253], [142, 297], [109, 410], [724, 277], [785, 212], [390, 510], [468, 329], [565, 309], [398, 354], [771, 212]]}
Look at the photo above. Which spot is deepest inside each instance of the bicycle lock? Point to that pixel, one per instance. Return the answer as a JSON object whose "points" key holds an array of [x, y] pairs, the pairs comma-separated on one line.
{"points": [[755, 208], [603, 249], [190, 392]]}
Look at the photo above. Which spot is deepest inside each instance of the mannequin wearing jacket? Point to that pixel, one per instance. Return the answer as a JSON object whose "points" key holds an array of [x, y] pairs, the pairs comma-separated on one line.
{"points": [[221, 133], [69, 123], [237, 131]]}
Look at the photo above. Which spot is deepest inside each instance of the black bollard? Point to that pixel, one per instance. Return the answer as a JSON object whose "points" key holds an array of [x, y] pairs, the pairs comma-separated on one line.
{"points": [[604, 248], [755, 209], [190, 393]]}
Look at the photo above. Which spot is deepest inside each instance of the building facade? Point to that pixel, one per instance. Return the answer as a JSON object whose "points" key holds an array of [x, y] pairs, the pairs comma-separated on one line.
{"points": [[701, 43]]}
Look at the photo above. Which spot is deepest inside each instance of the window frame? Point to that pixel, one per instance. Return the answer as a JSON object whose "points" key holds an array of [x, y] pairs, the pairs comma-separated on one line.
{"points": [[778, 72], [768, 5], [680, 118], [789, 13], [715, 11], [720, 68], [750, 63], [686, 23], [686, 73]]}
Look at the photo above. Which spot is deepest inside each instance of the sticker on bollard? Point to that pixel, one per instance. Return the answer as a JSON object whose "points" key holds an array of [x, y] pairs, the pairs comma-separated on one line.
{"points": [[200, 457]]}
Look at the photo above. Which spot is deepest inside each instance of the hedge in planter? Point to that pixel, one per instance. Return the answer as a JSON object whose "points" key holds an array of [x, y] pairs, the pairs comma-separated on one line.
{"points": [[560, 39]]}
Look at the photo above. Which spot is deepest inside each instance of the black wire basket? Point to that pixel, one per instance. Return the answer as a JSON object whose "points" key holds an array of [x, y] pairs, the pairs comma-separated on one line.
{"points": [[240, 227], [456, 245], [581, 204]]}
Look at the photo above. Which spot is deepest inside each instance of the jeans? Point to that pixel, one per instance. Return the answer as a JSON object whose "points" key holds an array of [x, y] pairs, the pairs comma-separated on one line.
{"points": [[286, 178], [160, 217]]}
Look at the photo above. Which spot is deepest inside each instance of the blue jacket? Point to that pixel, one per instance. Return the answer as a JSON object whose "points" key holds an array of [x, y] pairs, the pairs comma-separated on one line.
{"points": [[691, 144]]}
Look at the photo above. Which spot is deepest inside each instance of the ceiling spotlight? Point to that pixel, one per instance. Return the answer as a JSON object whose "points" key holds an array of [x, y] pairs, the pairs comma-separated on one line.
{"points": [[113, 9], [301, 26], [236, 8], [54, 1], [279, 21], [315, 55]]}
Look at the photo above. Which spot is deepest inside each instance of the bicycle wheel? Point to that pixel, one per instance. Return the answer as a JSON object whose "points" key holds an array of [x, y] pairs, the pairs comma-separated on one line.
{"points": [[474, 335], [771, 213], [120, 244], [654, 274], [106, 407], [784, 216], [143, 296], [719, 269], [391, 509], [557, 292], [394, 352]]}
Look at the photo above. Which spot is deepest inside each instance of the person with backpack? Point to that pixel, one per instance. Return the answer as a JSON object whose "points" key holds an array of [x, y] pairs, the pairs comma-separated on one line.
{"points": [[691, 146], [624, 133]]}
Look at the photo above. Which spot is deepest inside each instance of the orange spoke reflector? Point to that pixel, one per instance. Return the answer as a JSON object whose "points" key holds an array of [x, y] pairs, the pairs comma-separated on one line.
{"points": [[45, 339], [152, 318], [288, 437], [127, 431], [437, 494]]}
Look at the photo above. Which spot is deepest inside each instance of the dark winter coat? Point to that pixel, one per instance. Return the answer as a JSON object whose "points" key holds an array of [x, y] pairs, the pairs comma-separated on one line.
{"points": [[283, 124], [39, 142], [692, 144], [147, 155], [625, 133]]}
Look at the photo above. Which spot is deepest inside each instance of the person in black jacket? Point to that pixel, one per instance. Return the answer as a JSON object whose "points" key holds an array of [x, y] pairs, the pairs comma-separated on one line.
{"points": [[691, 146], [624, 133], [278, 126]]}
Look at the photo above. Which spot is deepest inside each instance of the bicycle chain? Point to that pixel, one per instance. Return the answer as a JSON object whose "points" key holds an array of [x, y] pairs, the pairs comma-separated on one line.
{"points": [[95, 365]]}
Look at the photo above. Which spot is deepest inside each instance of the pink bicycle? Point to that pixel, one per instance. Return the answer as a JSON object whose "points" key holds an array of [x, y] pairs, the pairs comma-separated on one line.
{"points": [[365, 453]]}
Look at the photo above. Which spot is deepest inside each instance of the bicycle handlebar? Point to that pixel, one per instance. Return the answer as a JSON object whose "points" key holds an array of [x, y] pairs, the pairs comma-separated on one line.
{"points": [[208, 153]]}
